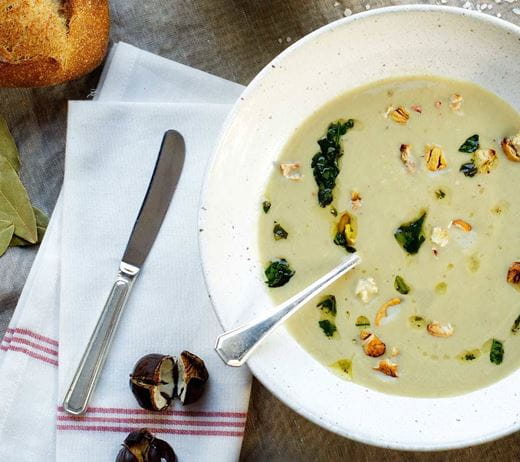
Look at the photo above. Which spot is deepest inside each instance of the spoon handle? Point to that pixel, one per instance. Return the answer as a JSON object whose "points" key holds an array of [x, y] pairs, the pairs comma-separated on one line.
{"points": [[235, 346]]}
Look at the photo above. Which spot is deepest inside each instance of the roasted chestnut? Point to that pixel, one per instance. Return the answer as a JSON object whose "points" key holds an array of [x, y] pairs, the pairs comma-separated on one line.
{"points": [[157, 379], [192, 377], [153, 381], [142, 446]]}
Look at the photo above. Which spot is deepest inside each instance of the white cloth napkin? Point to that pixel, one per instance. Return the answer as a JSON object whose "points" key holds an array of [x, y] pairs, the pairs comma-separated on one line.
{"points": [[112, 145]]}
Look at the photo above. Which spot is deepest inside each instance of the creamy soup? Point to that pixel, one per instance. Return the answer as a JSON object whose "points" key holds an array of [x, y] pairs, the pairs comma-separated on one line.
{"points": [[419, 177]]}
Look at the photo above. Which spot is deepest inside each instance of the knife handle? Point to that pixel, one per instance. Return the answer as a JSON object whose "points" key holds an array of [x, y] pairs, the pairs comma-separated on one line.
{"points": [[89, 369]]}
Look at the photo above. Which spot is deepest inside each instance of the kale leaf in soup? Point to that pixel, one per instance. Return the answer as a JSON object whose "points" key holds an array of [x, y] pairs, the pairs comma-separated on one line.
{"points": [[410, 235], [279, 232], [328, 304], [401, 286], [470, 145], [328, 327], [516, 325], [278, 273], [325, 163], [362, 321], [496, 355], [469, 169]]}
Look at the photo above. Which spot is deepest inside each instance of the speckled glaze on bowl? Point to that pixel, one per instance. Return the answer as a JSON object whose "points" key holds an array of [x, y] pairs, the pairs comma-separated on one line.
{"points": [[393, 41]]}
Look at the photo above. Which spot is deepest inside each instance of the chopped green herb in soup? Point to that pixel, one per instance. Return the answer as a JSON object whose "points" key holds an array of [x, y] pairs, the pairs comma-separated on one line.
{"points": [[328, 327], [278, 273], [496, 355], [344, 366], [470, 145], [417, 322], [423, 187], [469, 169], [328, 305], [516, 325], [325, 163], [362, 321], [279, 232], [401, 286], [410, 235]]}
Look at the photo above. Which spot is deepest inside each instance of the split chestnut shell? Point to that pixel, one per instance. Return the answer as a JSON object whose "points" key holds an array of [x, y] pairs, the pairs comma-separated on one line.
{"points": [[153, 381], [192, 377]]}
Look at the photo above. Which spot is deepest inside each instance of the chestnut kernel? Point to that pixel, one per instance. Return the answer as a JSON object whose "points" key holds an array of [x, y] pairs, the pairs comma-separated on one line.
{"points": [[192, 377], [153, 381], [142, 446]]}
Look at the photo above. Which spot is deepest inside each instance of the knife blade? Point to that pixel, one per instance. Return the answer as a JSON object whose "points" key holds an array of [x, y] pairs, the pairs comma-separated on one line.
{"points": [[165, 177], [163, 183]]}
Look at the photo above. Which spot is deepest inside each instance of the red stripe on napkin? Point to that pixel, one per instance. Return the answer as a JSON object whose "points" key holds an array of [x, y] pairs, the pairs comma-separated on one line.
{"points": [[110, 419], [24, 341], [34, 335], [171, 431], [116, 410], [155, 421], [38, 342], [30, 353]]}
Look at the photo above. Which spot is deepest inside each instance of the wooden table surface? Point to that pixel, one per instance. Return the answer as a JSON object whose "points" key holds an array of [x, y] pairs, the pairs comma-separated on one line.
{"points": [[233, 39]]}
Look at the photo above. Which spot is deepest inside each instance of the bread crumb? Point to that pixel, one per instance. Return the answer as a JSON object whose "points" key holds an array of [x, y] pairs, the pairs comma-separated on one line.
{"points": [[366, 288], [440, 236], [355, 200], [456, 101], [291, 171]]}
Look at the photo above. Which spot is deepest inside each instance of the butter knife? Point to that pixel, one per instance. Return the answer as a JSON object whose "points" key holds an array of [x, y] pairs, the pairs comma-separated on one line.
{"points": [[164, 181]]}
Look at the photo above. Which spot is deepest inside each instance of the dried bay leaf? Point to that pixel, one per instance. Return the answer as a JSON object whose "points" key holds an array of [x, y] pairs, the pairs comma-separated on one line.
{"points": [[18, 242], [8, 147], [6, 233], [42, 220], [14, 203], [20, 223], [41, 226]]}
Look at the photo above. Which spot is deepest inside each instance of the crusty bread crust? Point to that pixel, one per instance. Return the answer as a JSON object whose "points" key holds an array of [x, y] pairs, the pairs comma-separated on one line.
{"points": [[46, 42]]}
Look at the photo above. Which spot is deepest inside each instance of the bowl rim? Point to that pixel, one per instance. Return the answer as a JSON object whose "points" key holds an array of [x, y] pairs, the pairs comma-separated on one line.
{"points": [[279, 393]]}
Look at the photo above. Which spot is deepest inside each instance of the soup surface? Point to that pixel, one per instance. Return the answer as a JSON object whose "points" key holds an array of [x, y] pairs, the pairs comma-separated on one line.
{"points": [[427, 196]]}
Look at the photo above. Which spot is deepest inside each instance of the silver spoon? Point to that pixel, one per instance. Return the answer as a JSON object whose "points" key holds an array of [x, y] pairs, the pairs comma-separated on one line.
{"points": [[236, 345]]}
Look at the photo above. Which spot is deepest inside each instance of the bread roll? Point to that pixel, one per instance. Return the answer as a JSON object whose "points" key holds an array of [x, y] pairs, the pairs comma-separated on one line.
{"points": [[46, 42]]}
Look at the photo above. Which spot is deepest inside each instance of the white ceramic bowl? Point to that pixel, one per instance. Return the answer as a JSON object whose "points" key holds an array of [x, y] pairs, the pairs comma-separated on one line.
{"points": [[394, 41]]}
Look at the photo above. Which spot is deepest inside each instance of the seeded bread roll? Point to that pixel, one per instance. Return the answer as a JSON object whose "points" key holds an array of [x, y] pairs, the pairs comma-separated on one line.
{"points": [[46, 42]]}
